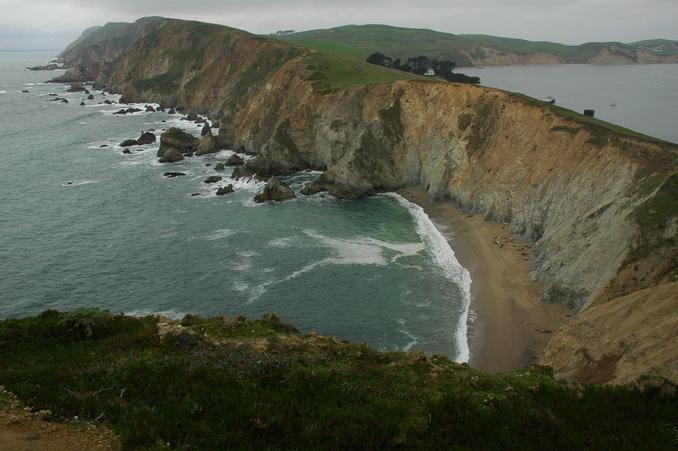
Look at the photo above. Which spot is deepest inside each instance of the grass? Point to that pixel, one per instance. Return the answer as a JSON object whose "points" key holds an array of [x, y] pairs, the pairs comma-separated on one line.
{"points": [[359, 41], [239, 384], [331, 72]]}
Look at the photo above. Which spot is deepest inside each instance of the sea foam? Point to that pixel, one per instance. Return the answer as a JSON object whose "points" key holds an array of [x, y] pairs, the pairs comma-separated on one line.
{"points": [[444, 257]]}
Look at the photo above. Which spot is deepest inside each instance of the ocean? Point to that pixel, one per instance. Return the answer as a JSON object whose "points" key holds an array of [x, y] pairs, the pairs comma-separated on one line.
{"points": [[88, 226], [643, 98]]}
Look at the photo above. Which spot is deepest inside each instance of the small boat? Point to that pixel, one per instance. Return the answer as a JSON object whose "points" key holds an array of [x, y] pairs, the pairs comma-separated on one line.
{"points": [[549, 99]]}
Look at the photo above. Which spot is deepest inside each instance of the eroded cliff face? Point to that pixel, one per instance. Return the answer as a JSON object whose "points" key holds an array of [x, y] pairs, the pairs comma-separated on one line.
{"points": [[600, 206]]}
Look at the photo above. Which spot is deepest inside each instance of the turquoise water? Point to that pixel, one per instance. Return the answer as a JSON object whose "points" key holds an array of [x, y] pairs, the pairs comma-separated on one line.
{"points": [[640, 97], [89, 226]]}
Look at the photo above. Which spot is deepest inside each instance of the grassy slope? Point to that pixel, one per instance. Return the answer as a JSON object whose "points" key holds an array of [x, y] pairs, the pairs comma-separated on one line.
{"points": [[362, 40], [259, 384]]}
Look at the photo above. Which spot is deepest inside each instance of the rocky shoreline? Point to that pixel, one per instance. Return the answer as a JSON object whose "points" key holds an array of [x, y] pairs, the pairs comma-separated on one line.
{"points": [[594, 199]]}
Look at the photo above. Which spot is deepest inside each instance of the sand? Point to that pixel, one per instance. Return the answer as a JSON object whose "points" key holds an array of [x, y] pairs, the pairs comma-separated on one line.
{"points": [[508, 325]]}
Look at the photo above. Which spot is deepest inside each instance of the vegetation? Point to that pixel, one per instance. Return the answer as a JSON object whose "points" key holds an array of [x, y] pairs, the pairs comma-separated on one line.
{"points": [[333, 72], [231, 383], [421, 65], [360, 41]]}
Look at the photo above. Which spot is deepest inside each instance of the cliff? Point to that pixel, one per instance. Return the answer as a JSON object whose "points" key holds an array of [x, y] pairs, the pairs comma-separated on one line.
{"points": [[598, 201]]}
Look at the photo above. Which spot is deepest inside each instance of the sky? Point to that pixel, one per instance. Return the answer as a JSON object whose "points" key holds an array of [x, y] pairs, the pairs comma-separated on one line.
{"points": [[52, 24]]}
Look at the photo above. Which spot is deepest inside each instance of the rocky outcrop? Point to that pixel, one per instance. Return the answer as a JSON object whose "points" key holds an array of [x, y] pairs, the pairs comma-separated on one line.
{"points": [[207, 145], [597, 202], [127, 111], [175, 143], [276, 191], [222, 191], [213, 179], [234, 160], [621, 340], [145, 138], [51, 66]]}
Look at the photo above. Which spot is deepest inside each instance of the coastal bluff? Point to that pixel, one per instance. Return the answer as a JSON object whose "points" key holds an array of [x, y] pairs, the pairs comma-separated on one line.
{"points": [[598, 202]]}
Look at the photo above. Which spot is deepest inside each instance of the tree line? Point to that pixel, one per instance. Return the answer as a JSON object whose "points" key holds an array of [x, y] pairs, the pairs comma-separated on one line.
{"points": [[420, 65]]}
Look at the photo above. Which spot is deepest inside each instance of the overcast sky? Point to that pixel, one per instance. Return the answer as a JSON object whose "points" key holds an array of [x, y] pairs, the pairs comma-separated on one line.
{"points": [[52, 24]]}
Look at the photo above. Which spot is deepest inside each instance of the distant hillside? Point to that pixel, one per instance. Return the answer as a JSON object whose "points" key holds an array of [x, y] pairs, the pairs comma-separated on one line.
{"points": [[476, 49]]}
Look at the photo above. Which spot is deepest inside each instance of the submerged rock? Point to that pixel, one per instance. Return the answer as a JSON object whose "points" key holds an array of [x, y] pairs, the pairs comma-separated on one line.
{"points": [[25, 90], [127, 151], [127, 111], [225, 190], [172, 174], [108, 102], [213, 179], [219, 167], [235, 160], [276, 191]]}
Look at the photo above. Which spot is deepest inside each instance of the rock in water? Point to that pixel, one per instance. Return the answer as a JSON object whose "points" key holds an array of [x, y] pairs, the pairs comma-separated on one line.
{"points": [[276, 191], [213, 179], [207, 145], [128, 143], [235, 160], [171, 175], [146, 138], [171, 155], [90, 97], [150, 109], [127, 151], [76, 87], [225, 190], [127, 111], [176, 142], [206, 130], [172, 111], [219, 167], [25, 90], [108, 102]]}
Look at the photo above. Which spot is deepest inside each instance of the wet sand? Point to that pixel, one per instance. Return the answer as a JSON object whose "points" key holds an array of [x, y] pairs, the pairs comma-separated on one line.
{"points": [[508, 326]]}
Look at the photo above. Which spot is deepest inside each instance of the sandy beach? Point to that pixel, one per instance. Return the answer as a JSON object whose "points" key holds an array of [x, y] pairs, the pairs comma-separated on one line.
{"points": [[508, 326]]}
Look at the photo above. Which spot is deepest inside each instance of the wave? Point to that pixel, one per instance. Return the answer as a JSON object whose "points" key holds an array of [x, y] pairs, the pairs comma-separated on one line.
{"points": [[444, 257], [353, 251], [3, 92], [83, 182], [220, 234]]}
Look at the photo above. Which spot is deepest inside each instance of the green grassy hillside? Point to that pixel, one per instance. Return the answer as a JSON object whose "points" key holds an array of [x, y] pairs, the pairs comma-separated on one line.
{"points": [[362, 40], [230, 383]]}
